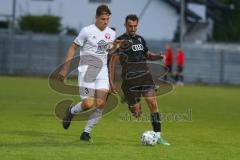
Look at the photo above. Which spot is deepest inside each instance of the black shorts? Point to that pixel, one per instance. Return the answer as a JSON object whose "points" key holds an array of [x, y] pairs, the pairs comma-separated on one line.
{"points": [[179, 69], [134, 88]]}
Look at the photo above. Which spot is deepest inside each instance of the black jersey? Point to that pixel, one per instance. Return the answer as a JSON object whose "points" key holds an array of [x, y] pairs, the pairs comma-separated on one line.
{"points": [[136, 53], [133, 59]]}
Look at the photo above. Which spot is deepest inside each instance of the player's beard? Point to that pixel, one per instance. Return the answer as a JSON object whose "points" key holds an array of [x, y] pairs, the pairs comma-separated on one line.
{"points": [[132, 33]]}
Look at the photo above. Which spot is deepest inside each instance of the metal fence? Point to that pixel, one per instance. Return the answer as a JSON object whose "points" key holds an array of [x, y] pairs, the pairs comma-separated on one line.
{"points": [[36, 54]]}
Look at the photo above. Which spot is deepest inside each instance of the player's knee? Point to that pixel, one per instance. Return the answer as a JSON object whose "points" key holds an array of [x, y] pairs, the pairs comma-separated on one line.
{"points": [[153, 104], [87, 105]]}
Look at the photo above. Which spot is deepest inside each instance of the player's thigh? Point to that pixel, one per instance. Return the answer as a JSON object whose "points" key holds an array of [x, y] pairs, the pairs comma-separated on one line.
{"points": [[131, 95], [149, 93], [148, 86], [102, 89], [86, 89]]}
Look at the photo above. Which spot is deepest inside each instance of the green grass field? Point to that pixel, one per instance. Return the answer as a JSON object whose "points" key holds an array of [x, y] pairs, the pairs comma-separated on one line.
{"points": [[30, 131]]}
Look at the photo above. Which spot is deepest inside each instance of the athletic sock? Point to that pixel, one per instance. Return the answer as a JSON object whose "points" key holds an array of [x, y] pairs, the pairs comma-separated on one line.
{"points": [[181, 78], [94, 118], [158, 134], [155, 118], [177, 78], [77, 108]]}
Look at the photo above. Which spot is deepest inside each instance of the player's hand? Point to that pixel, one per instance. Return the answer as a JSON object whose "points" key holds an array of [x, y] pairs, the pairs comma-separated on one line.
{"points": [[113, 89], [115, 46], [61, 76], [125, 45], [117, 43], [163, 56]]}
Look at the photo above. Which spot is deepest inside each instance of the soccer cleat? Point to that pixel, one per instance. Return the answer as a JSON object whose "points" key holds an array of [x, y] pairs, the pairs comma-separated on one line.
{"points": [[67, 119], [163, 142], [86, 137]]}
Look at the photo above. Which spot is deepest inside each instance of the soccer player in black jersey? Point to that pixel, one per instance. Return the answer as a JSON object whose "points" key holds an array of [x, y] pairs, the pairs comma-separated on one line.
{"points": [[137, 80]]}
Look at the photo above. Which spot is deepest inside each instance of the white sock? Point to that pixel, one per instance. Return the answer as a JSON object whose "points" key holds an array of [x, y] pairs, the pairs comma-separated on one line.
{"points": [[77, 108], [158, 134], [94, 118]]}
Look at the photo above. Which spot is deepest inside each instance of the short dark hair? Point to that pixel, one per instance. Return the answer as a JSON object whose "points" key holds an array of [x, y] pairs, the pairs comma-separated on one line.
{"points": [[103, 9], [132, 17]]}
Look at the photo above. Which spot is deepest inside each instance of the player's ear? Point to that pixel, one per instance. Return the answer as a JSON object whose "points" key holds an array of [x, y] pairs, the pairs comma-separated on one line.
{"points": [[96, 16]]}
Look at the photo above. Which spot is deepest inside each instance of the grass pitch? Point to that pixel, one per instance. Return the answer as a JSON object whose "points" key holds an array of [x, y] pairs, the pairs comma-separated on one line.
{"points": [[200, 122]]}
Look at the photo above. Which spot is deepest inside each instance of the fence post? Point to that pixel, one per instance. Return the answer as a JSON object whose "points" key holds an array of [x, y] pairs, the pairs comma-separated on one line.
{"points": [[2, 56], [60, 49], [29, 55], [221, 74], [11, 57]]}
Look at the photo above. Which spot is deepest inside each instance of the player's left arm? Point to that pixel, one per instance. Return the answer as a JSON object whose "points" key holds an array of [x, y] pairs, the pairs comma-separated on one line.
{"points": [[115, 46], [112, 69], [154, 56], [150, 55]]}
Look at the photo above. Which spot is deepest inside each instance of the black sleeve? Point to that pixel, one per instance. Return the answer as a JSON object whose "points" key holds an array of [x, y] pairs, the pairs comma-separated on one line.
{"points": [[119, 38]]}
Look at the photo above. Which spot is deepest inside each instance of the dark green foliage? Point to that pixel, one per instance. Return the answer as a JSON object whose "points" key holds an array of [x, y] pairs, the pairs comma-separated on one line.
{"points": [[40, 24], [4, 24], [228, 30], [71, 31]]}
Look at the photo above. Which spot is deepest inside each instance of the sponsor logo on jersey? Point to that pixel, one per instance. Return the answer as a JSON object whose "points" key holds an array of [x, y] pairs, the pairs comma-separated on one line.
{"points": [[137, 47], [107, 36], [102, 47]]}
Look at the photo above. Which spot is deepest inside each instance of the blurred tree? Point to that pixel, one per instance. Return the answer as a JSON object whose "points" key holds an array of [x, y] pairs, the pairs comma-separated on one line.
{"points": [[228, 29], [71, 31], [40, 24], [4, 24]]}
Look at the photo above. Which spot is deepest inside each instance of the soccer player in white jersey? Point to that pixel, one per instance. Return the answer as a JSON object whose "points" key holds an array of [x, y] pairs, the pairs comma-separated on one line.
{"points": [[94, 42]]}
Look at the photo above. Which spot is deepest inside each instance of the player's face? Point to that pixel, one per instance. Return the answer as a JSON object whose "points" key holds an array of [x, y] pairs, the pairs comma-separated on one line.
{"points": [[131, 27], [102, 21]]}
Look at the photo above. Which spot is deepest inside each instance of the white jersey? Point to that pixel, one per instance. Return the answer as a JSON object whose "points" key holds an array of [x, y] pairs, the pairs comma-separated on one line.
{"points": [[93, 71], [94, 42]]}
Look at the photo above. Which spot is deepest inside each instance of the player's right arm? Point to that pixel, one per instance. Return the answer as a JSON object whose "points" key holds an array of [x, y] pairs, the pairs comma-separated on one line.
{"points": [[70, 55], [112, 68], [78, 42]]}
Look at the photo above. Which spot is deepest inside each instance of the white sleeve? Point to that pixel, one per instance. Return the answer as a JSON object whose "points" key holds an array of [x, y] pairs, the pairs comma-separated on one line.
{"points": [[114, 35], [81, 38]]}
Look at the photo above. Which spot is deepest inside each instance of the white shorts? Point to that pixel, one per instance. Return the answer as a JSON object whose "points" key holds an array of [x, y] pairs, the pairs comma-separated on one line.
{"points": [[88, 83]]}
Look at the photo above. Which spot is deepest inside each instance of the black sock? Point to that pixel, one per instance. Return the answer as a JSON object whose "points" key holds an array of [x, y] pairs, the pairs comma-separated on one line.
{"points": [[181, 78], [155, 118], [176, 78]]}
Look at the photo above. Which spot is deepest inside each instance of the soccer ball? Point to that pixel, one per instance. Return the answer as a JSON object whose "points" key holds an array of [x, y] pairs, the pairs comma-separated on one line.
{"points": [[149, 138]]}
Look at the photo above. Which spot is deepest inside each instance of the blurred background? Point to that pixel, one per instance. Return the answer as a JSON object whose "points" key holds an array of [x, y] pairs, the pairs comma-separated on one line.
{"points": [[35, 34]]}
